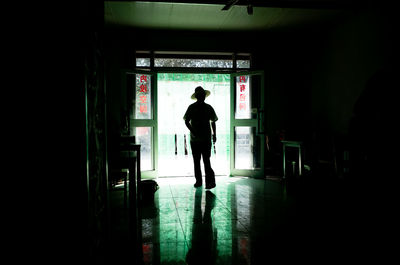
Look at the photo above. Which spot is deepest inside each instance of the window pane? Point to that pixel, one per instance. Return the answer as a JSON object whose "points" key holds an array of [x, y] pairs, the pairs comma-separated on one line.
{"points": [[143, 97], [176, 62], [243, 64], [143, 62], [143, 137], [247, 148], [243, 102]]}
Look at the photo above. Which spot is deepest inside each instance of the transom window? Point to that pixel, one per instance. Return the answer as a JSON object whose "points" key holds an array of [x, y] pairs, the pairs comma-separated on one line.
{"points": [[147, 59]]}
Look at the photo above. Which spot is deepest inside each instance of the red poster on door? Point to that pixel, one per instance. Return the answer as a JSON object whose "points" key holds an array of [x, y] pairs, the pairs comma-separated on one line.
{"points": [[143, 100]]}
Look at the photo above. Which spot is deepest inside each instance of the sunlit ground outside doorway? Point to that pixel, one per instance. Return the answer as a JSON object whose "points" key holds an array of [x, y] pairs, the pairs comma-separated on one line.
{"points": [[174, 92]]}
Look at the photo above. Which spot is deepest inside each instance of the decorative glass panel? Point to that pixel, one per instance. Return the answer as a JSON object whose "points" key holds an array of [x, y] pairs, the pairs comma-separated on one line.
{"points": [[143, 105], [206, 63], [247, 148], [143, 62], [243, 64], [143, 137], [242, 99]]}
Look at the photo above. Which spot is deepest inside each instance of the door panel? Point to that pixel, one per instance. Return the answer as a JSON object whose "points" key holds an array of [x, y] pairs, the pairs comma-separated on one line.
{"points": [[247, 148], [141, 88], [144, 137], [247, 106]]}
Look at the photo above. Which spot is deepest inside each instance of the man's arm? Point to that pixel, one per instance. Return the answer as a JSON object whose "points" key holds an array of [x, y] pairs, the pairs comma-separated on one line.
{"points": [[189, 126], [214, 128]]}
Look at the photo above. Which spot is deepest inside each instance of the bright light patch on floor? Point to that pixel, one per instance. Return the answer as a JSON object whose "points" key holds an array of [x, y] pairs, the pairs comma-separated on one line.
{"points": [[184, 180]]}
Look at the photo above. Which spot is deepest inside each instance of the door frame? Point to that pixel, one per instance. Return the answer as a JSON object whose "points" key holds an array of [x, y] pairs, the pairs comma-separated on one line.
{"points": [[257, 122], [152, 122]]}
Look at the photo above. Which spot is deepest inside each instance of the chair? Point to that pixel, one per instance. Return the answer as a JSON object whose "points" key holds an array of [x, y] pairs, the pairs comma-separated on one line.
{"points": [[125, 158]]}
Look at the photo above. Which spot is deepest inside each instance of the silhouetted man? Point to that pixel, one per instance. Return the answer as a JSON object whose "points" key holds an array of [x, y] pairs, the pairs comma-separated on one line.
{"points": [[197, 118]]}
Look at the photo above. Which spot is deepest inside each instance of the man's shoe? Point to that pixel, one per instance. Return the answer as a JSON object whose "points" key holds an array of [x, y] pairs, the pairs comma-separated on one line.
{"points": [[197, 184], [210, 186]]}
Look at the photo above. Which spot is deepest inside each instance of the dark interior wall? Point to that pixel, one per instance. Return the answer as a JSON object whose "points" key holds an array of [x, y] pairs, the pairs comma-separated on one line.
{"points": [[351, 53], [181, 40], [315, 75], [287, 59], [117, 58]]}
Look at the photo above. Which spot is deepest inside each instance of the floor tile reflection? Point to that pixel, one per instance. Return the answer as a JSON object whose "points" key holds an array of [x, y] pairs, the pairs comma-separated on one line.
{"points": [[241, 221], [196, 226]]}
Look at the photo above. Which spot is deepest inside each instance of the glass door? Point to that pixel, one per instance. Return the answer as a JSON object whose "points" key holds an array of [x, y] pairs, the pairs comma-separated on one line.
{"points": [[142, 100], [247, 131], [174, 92]]}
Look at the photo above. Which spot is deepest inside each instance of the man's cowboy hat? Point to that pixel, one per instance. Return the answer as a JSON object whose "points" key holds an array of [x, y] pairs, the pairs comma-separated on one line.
{"points": [[199, 90]]}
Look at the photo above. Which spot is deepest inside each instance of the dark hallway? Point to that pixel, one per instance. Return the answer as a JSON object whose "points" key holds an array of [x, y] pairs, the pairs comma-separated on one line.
{"points": [[323, 82]]}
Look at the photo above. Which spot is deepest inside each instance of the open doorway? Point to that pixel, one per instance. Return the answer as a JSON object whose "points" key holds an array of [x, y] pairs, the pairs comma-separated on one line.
{"points": [[174, 91]]}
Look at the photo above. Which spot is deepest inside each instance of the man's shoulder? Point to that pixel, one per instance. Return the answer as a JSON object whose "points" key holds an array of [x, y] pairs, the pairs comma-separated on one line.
{"points": [[191, 106], [208, 105]]}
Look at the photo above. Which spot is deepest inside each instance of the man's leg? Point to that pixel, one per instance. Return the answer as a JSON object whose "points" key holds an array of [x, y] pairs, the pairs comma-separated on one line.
{"points": [[196, 152], [210, 176]]}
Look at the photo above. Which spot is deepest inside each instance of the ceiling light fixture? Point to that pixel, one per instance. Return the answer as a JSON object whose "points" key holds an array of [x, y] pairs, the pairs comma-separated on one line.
{"points": [[234, 2], [250, 9], [229, 4]]}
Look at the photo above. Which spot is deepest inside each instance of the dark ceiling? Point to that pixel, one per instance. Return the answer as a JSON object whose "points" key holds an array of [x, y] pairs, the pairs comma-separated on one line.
{"points": [[224, 15]]}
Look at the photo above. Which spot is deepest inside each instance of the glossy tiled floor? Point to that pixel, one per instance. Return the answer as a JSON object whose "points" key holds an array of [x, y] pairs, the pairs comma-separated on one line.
{"points": [[245, 221], [206, 227]]}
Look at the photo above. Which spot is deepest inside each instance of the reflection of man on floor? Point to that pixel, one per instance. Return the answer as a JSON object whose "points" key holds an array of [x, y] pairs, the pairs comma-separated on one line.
{"points": [[197, 119], [203, 249]]}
